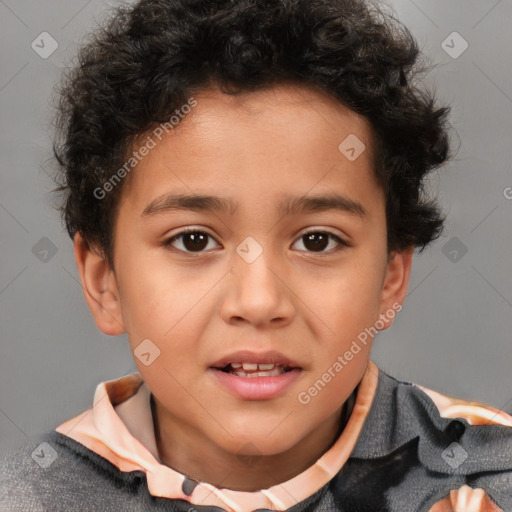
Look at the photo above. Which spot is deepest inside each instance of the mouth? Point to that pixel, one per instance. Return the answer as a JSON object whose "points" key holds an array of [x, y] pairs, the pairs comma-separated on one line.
{"points": [[251, 370], [255, 381], [250, 375]]}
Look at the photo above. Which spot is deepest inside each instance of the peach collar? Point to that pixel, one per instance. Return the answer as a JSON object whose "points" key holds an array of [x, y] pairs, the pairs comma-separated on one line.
{"points": [[119, 428]]}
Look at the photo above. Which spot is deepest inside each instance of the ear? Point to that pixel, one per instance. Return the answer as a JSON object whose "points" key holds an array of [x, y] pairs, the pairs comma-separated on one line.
{"points": [[99, 286], [394, 288]]}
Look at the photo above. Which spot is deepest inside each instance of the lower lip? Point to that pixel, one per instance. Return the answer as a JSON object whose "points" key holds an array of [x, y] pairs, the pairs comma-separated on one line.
{"points": [[256, 388]]}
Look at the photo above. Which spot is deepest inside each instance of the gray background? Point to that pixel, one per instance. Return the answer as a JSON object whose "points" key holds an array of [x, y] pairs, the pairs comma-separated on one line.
{"points": [[453, 334]]}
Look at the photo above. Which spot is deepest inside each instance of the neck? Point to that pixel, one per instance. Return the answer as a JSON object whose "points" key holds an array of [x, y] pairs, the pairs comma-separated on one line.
{"points": [[192, 454]]}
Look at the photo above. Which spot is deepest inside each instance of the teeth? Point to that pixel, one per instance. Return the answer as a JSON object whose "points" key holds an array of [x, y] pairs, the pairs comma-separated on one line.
{"points": [[272, 373], [256, 370], [253, 366]]}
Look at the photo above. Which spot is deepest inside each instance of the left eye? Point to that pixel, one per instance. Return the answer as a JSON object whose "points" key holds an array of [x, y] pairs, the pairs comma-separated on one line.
{"points": [[317, 240], [197, 241]]}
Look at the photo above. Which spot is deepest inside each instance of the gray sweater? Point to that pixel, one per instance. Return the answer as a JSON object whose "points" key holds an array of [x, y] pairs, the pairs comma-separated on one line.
{"points": [[407, 458]]}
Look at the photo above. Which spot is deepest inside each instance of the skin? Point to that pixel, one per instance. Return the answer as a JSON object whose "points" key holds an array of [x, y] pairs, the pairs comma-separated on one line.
{"points": [[197, 307]]}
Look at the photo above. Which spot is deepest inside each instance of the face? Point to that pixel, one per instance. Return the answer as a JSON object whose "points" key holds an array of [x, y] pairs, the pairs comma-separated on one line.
{"points": [[295, 285]]}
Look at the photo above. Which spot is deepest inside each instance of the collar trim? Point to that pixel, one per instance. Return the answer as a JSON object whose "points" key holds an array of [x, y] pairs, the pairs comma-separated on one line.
{"points": [[129, 443], [405, 411]]}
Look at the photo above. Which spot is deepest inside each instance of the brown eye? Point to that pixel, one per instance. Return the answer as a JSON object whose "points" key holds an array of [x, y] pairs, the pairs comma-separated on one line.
{"points": [[318, 241], [196, 241], [191, 241]]}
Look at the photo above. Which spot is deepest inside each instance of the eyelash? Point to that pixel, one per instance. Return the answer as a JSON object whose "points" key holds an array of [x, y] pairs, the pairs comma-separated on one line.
{"points": [[342, 243]]}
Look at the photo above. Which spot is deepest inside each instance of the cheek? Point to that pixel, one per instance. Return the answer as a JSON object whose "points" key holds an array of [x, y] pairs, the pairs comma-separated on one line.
{"points": [[152, 292], [165, 307], [326, 391], [349, 298]]}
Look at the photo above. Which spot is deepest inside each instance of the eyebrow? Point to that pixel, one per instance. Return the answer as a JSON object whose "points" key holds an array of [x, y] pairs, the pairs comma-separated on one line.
{"points": [[288, 205]]}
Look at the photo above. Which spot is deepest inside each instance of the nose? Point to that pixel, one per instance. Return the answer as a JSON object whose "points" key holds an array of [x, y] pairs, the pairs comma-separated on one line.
{"points": [[258, 293]]}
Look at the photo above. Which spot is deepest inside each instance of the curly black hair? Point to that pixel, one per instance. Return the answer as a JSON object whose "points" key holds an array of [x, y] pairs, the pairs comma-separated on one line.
{"points": [[149, 58]]}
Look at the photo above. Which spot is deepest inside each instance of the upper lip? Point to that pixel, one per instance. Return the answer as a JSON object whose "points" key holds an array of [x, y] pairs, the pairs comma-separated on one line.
{"points": [[246, 356]]}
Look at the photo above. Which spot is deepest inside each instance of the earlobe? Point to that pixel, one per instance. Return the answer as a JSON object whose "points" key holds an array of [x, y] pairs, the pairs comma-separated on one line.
{"points": [[99, 287], [395, 285]]}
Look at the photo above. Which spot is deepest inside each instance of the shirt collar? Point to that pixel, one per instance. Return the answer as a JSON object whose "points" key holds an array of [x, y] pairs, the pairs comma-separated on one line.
{"points": [[403, 411], [387, 414], [119, 427]]}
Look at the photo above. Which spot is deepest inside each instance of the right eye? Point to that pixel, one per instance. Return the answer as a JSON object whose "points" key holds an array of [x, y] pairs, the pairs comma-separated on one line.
{"points": [[192, 240]]}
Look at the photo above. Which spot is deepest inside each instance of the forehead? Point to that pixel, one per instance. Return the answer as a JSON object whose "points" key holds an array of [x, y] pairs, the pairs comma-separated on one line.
{"points": [[285, 138]]}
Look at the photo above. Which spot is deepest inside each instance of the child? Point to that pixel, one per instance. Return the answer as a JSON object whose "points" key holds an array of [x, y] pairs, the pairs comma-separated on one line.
{"points": [[288, 140]]}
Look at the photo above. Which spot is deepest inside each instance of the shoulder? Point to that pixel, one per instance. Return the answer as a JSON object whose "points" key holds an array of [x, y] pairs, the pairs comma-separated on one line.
{"points": [[57, 473], [474, 412], [438, 418], [416, 438], [20, 478]]}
